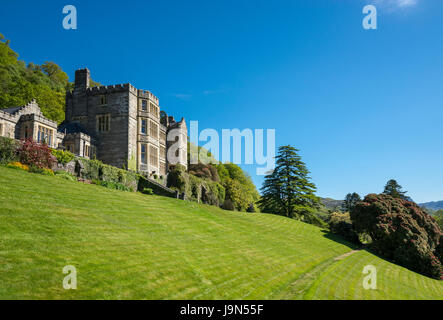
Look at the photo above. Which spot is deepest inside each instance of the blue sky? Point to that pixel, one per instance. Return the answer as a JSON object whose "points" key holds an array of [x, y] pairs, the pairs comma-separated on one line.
{"points": [[362, 106]]}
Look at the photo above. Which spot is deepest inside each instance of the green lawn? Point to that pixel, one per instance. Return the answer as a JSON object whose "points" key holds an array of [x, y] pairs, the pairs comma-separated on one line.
{"points": [[132, 246]]}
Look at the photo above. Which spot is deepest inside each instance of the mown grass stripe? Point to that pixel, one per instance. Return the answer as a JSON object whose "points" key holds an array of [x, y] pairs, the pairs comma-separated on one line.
{"points": [[131, 246]]}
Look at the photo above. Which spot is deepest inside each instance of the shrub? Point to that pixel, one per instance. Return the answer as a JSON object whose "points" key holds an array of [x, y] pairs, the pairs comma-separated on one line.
{"points": [[238, 185], [63, 157], [8, 150], [401, 231], [148, 191], [43, 171], [195, 188], [18, 165], [206, 171], [111, 185], [65, 175], [96, 170], [90, 169], [341, 224], [228, 205], [35, 154]]}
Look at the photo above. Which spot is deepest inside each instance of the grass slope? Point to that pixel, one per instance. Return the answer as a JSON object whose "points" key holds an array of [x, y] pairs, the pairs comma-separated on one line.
{"points": [[131, 246]]}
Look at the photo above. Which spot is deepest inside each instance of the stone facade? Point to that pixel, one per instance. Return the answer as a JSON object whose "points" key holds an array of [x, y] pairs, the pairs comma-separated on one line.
{"points": [[119, 125], [126, 126], [28, 122]]}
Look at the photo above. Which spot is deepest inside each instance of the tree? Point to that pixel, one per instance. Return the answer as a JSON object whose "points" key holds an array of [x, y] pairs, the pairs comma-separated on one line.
{"points": [[7, 56], [438, 215], [55, 73], [288, 190], [340, 223], [393, 189], [402, 232], [240, 189], [350, 202]]}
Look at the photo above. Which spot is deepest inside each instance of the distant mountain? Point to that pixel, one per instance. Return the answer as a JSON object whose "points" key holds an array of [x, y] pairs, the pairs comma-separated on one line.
{"points": [[331, 204], [434, 205]]}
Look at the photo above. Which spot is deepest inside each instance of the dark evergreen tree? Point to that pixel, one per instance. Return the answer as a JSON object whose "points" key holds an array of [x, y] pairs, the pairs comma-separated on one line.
{"points": [[393, 189], [288, 190], [270, 199], [350, 202]]}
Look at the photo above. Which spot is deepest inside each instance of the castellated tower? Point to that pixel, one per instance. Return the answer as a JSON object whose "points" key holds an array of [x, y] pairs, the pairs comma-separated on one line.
{"points": [[177, 141], [123, 124]]}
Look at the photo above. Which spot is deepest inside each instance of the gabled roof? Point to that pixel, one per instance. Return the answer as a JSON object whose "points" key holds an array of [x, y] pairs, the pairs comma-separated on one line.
{"points": [[30, 107], [12, 110]]}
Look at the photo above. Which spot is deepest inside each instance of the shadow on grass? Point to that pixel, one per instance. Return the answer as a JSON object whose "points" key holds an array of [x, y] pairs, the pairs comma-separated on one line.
{"points": [[369, 249], [339, 239]]}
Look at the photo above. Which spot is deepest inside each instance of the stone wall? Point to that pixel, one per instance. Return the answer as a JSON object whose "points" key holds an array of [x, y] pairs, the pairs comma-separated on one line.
{"points": [[120, 146], [8, 124], [84, 105]]}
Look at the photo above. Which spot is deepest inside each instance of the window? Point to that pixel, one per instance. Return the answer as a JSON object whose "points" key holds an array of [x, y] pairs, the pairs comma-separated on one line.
{"points": [[153, 156], [162, 152], [162, 168], [26, 132], [45, 135], [144, 126], [154, 109], [103, 123], [162, 136], [144, 105], [87, 152], [103, 100], [1, 129], [153, 130], [143, 154]]}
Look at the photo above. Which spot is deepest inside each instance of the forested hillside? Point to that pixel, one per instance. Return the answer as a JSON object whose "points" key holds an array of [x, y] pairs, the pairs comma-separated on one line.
{"points": [[20, 82], [435, 205]]}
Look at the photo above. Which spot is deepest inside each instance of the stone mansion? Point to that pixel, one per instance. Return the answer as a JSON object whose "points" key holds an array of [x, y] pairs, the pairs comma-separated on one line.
{"points": [[119, 125]]}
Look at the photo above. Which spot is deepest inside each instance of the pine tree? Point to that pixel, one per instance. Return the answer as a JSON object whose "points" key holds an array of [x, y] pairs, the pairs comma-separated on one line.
{"points": [[288, 190], [393, 189], [350, 202]]}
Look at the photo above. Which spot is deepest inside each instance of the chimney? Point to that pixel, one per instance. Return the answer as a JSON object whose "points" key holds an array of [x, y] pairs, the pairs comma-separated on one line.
{"points": [[82, 77]]}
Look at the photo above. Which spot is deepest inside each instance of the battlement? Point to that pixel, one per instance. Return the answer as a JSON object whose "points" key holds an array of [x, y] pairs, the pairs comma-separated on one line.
{"points": [[147, 95], [7, 116], [112, 89], [39, 118]]}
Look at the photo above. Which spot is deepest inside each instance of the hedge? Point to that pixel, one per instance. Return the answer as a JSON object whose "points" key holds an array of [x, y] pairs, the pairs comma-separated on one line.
{"points": [[95, 170], [8, 150], [195, 188]]}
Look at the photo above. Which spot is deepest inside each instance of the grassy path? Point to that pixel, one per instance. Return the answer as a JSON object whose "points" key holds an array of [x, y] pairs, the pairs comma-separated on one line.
{"points": [[131, 246], [344, 256]]}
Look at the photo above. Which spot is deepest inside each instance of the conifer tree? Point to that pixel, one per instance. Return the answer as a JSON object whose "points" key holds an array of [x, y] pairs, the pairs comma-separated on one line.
{"points": [[393, 189], [288, 190], [350, 202]]}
